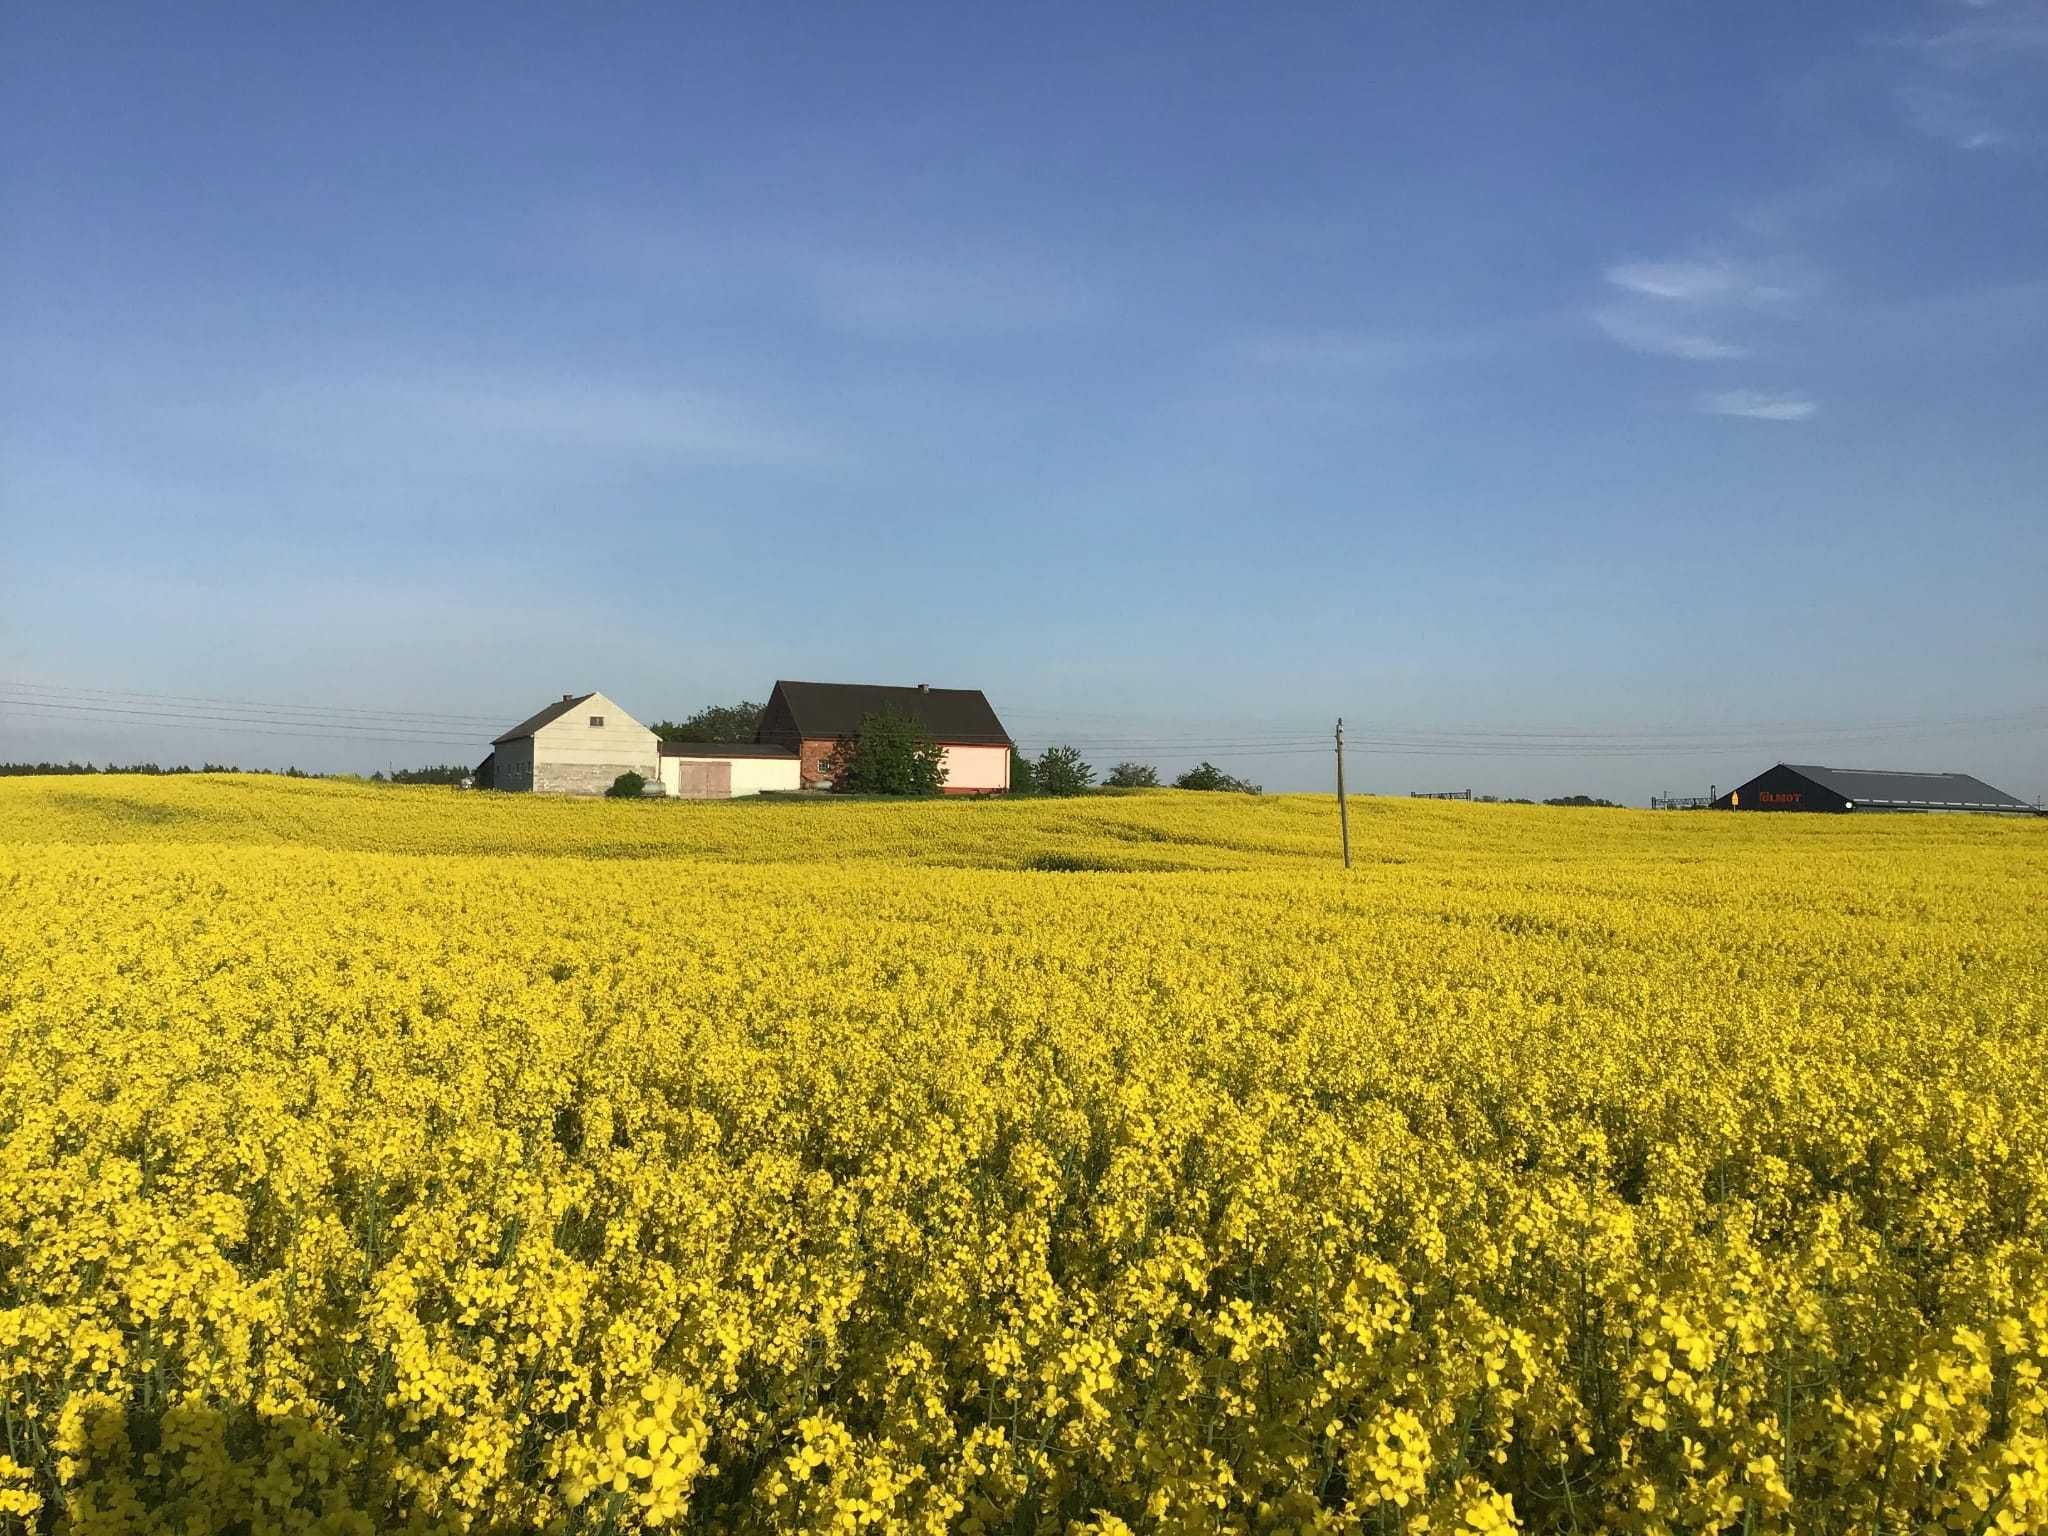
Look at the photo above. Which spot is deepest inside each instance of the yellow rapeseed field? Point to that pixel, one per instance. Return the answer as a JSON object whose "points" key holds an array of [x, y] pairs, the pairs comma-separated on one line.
{"points": [[385, 1159]]}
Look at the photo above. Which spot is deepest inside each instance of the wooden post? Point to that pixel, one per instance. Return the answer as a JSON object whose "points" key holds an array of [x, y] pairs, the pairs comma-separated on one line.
{"points": [[1343, 810]]}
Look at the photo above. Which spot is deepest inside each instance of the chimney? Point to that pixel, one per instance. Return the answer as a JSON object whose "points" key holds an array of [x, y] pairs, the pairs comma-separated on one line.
{"points": [[568, 698], [924, 687]]}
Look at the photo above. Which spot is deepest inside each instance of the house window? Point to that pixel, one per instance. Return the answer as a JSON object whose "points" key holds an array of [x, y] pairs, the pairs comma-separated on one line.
{"points": [[597, 719]]}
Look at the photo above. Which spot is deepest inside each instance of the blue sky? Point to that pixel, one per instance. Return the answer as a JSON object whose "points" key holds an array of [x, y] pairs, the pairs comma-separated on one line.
{"points": [[1644, 377]]}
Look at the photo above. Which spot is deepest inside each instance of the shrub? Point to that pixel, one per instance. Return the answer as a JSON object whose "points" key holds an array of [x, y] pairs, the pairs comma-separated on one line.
{"points": [[1206, 775], [1060, 771], [1022, 781], [892, 755], [627, 786], [1133, 776]]}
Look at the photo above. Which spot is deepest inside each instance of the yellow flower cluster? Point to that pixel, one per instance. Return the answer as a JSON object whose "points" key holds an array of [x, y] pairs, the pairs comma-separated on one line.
{"points": [[386, 1159]]}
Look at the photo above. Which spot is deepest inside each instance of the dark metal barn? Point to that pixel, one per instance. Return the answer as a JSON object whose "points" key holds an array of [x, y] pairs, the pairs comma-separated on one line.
{"points": [[1804, 787]]}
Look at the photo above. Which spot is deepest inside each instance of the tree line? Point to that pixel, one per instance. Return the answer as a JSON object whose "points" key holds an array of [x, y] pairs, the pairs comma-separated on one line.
{"points": [[433, 773], [26, 770], [894, 754]]}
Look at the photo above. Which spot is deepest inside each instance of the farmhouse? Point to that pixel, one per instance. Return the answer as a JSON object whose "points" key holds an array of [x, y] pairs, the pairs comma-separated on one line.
{"points": [[809, 718], [1803, 787], [581, 743]]}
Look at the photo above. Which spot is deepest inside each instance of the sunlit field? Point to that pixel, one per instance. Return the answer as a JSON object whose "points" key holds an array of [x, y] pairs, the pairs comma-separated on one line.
{"points": [[388, 1159]]}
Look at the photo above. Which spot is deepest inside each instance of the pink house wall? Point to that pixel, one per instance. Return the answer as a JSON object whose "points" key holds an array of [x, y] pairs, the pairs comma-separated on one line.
{"points": [[972, 770]]}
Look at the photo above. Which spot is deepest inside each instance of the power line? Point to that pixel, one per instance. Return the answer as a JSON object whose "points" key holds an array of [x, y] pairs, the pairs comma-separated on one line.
{"points": [[235, 724], [343, 711], [1225, 739]]}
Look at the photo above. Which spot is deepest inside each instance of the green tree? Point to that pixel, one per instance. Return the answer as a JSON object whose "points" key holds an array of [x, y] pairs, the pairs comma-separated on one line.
{"points": [[893, 755], [1021, 780], [714, 722], [627, 786], [1060, 771], [1206, 775], [1133, 776]]}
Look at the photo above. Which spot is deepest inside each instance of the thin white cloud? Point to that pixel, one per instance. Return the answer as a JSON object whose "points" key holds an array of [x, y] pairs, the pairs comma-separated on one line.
{"points": [[1644, 332], [1758, 405], [1693, 282], [1838, 189], [1949, 117], [1993, 36], [1688, 281]]}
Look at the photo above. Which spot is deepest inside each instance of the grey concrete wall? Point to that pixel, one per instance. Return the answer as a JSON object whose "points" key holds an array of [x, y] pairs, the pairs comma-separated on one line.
{"points": [[583, 778]]}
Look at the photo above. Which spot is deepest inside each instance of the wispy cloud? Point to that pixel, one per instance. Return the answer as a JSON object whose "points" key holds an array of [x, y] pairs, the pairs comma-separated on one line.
{"points": [[1643, 332], [1679, 308], [1687, 280], [1841, 187], [1980, 82], [1718, 281], [1683, 309], [1758, 405], [1993, 35], [1949, 116]]}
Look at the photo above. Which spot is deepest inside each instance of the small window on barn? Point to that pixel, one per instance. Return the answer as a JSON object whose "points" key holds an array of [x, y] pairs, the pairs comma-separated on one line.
{"points": [[597, 719]]}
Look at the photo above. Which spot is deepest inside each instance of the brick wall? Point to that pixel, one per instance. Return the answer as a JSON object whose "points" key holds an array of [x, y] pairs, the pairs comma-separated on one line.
{"points": [[812, 755]]}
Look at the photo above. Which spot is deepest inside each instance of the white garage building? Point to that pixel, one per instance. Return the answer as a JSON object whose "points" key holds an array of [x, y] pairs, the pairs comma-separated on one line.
{"points": [[711, 770]]}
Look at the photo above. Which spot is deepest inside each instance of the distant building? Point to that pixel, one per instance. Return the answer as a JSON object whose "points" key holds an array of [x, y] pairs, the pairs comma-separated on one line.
{"points": [[578, 745], [718, 770], [581, 743], [811, 717], [1803, 787]]}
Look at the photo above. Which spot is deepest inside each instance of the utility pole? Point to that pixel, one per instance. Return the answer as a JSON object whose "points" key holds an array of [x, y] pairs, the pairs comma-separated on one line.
{"points": [[1343, 810]]}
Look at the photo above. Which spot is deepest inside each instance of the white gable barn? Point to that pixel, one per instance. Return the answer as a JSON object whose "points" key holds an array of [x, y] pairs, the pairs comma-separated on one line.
{"points": [[578, 745]]}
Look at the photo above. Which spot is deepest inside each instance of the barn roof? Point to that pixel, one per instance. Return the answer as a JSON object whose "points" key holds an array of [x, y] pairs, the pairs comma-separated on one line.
{"points": [[548, 716], [961, 716], [1917, 791], [724, 749]]}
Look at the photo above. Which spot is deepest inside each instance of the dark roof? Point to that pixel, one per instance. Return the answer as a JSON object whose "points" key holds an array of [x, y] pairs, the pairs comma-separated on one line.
{"points": [[1919, 791], [725, 749], [961, 716], [547, 716]]}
